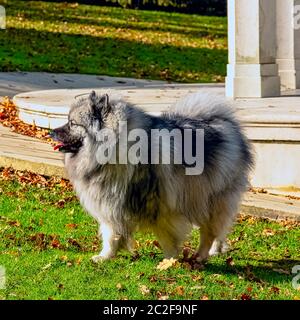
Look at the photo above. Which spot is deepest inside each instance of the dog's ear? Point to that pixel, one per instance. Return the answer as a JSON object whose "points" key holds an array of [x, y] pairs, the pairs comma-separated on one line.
{"points": [[99, 104]]}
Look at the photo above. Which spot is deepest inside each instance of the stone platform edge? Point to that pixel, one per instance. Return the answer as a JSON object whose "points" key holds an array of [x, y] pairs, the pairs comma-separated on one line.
{"points": [[39, 168]]}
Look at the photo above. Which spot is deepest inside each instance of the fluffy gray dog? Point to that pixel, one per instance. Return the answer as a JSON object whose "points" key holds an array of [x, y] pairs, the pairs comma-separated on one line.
{"points": [[160, 197]]}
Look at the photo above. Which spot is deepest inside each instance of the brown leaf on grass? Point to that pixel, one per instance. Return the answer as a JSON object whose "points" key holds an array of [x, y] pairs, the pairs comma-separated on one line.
{"points": [[14, 223], [71, 225], [275, 290], [245, 296], [60, 286], [153, 278], [186, 252], [268, 232], [163, 297], [197, 278], [179, 291], [60, 204], [229, 261], [166, 264], [74, 243], [135, 256], [204, 298], [152, 255], [55, 243], [156, 244], [39, 239], [144, 290], [33, 179], [120, 287], [64, 258]]}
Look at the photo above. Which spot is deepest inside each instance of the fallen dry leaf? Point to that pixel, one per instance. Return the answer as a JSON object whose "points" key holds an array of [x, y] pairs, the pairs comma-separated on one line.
{"points": [[268, 232], [9, 118], [30, 178], [166, 264], [119, 286], [156, 244], [163, 297], [14, 223], [55, 243], [60, 204], [71, 225], [245, 296], [74, 243], [179, 291], [275, 290], [186, 252], [229, 261], [153, 279], [144, 290]]}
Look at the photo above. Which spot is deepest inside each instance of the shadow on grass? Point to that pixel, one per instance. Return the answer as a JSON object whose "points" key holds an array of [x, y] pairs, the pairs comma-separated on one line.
{"points": [[32, 50], [262, 271]]}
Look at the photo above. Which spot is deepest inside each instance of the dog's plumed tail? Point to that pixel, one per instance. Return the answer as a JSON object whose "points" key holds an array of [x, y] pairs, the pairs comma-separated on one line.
{"points": [[203, 105]]}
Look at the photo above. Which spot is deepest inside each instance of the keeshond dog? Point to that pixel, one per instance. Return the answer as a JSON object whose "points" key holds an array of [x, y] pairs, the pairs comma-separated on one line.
{"points": [[162, 198]]}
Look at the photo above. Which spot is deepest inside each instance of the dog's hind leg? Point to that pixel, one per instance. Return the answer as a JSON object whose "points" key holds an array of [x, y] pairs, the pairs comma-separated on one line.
{"points": [[222, 214], [218, 246], [206, 240], [171, 233], [111, 243], [169, 243]]}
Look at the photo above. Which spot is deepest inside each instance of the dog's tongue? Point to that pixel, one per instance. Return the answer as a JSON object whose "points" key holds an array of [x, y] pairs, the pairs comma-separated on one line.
{"points": [[58, 146]]}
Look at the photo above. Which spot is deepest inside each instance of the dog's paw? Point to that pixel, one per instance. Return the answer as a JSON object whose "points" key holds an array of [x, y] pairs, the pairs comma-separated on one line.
{"points": [[201, 259], [218, 247], [98, 259]]}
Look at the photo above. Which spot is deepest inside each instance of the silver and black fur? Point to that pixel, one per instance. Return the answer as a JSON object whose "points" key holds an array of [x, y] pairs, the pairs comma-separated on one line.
{"points": [[160, 198]]}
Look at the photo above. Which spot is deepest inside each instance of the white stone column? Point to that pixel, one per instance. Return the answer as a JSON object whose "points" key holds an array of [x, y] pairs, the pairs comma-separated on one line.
{"points": [[252, 70], [288, 43]]}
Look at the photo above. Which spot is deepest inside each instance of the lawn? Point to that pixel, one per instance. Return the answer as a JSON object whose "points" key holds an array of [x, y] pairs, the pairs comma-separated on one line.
{"points": [[72, 38], [47, 242]]}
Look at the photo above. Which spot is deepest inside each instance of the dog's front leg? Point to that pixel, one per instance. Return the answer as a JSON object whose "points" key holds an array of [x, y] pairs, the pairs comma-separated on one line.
{"points": [[111, 242]]}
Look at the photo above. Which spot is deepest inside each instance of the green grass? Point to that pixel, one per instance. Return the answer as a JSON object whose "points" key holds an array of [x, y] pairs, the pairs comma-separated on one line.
{"points": [[47, 242], [70, 38]]}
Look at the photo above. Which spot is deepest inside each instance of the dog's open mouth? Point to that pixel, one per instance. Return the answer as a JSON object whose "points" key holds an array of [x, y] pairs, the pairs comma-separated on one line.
{"points": [[68, 147]]}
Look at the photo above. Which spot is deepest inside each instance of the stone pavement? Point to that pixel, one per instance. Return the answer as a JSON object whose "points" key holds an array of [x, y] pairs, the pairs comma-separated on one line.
{"points": [[12, 83]]}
